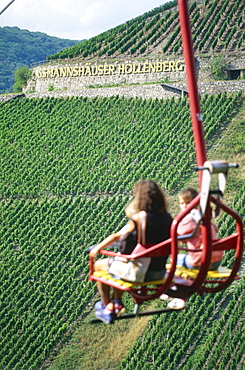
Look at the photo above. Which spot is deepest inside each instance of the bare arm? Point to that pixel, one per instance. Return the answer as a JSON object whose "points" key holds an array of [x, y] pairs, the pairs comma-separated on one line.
{"points": [[130, 226]]}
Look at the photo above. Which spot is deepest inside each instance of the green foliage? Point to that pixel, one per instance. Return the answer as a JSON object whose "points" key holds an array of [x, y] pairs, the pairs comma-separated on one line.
{"points": [[238, 141], [127, 120], [218, 68], [21, 76], [20, 48], [51, 88]]}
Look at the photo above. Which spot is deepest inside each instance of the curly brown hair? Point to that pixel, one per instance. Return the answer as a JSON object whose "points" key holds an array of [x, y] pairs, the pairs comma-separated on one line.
{"points": [[148, 196]]}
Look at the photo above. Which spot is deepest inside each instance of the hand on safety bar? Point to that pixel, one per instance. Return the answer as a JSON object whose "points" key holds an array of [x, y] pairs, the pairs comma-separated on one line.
{"points": [[110, 247]]}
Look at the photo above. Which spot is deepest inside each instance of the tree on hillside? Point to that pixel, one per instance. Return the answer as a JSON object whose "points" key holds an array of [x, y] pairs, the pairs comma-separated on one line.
{"points": [[21, 76], [218, 68]]}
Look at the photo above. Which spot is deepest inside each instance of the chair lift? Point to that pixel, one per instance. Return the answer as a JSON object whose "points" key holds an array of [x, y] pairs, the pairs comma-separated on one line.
{"points": [[192, 281], [189, 281], [186, 281], [206, 169]]}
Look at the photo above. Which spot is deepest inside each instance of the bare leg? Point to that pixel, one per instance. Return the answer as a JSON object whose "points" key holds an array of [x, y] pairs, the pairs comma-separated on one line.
{"points": [[101, 265], [117, 293], [104, 290]]}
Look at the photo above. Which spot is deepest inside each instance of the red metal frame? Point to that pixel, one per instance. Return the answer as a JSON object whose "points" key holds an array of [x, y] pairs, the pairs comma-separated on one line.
{"points": [[192, 82], [187, 287], [234, 241], [197, 130], [140, 295], [201, 158]]}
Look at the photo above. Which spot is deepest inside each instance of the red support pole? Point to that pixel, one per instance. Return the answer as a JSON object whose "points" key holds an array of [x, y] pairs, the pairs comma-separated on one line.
{"points": [[192, 83], [198, 134]]}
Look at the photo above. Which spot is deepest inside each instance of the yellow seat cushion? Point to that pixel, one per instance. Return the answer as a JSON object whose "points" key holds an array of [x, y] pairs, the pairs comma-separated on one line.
{"points": [[106, 276], [186, 273]]}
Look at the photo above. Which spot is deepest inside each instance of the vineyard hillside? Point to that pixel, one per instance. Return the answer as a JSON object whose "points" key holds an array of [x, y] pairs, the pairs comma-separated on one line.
{"points": [[67, 170], [218, 26]]}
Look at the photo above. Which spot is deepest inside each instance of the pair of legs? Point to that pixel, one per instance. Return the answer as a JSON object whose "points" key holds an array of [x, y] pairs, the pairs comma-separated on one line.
{"points": [[182, 260], [105, 290]]}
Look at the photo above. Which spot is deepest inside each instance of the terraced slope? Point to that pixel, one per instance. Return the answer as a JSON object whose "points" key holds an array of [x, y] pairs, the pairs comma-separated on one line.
{"points": [[68, 166], [217, 25]]}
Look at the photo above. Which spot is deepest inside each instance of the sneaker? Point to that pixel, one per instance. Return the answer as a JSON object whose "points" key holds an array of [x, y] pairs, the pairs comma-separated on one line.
{"points": [[166, 298], [99, 306], [177, 304], [105, 315], [119, 309]]}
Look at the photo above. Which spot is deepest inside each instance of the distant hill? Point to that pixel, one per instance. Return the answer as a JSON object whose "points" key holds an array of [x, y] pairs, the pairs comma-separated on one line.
{"points": [[20, 48]]}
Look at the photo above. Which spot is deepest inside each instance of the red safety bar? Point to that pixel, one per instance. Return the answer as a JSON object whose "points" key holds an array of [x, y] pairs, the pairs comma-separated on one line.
{"points": [[235, 241]]}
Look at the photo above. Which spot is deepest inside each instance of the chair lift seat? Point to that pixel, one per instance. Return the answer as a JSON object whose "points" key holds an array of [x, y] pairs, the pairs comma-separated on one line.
{"points": [[221, 272], [225, 243], [106, 278]]}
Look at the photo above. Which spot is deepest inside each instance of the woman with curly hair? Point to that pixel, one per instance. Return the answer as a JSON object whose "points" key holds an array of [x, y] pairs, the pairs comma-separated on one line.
{"points": [[148, 199]]}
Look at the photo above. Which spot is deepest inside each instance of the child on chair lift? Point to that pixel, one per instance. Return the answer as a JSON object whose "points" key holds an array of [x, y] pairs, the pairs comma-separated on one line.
{"points": [[192, 260]]}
